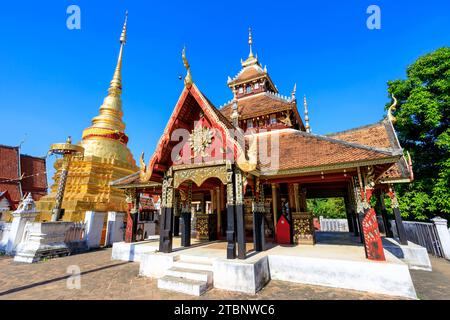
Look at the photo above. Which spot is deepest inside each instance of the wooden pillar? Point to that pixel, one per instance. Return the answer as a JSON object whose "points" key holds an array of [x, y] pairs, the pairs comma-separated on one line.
{"points": [[258, 218], [369, 225], [297, 198], [384, 214], [132, 199], [240, 220], [231, 237], [398, 217], [165, 233], [349, 213], [275, 206], [219, 212], [292, 207], [185, 220]]}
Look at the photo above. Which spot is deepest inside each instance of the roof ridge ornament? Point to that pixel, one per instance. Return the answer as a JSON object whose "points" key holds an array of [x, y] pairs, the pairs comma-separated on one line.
{"points": [[294, 91], [305, 105], [188, 79], [391, 109], [250, 42]]}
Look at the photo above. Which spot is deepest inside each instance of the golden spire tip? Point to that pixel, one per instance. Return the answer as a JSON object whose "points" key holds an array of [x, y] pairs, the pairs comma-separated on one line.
{"points": [[250, 41], [123, 35]]}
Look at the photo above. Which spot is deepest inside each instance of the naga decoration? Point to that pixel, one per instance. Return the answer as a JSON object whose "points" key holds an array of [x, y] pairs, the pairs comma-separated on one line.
{"points": [[188, 79], [392, 109]]}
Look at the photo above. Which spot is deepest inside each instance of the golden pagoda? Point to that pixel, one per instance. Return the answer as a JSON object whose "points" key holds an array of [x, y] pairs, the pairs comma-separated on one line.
{"points": [[106, 158]]}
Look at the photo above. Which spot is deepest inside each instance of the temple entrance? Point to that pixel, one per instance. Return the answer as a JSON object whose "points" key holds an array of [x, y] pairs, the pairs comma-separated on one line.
{"points": [[199, 211]]}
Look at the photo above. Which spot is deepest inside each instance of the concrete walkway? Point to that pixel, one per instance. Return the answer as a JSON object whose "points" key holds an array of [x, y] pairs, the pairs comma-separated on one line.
{"points": [[105, 279]]}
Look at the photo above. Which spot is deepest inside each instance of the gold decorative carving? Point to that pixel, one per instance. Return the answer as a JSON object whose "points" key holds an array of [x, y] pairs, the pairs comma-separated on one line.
{"points": [[303, 228], [200, 175], [200, 139]]}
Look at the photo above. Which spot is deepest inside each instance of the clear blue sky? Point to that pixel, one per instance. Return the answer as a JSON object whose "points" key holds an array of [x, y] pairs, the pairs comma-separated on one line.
{"points": [[53, 80]]}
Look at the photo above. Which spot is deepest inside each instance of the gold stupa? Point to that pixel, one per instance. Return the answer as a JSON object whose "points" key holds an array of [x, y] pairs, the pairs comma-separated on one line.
{"points": [[106, 158]]}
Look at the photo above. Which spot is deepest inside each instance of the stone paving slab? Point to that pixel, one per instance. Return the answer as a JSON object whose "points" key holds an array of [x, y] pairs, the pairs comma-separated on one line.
{"points": [[105, 279]]}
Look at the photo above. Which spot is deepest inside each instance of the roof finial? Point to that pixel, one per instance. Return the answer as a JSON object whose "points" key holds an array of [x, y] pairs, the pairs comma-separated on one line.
{"points": [[188, 79], [391, 109], [305, 104], [115, 87], [294, 91], [250, 42], [123, 36]]}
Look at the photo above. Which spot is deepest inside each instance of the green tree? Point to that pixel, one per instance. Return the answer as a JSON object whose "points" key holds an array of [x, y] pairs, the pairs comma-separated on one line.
{"points": [[423, 129], [331, 208]]}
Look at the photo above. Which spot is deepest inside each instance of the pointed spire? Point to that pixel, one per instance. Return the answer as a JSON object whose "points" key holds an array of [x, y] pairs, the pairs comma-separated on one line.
{"points": [[110, 117], [250, 42], [305, 104], [294, 91], [188, 79], [251, 58], [115, 88]]}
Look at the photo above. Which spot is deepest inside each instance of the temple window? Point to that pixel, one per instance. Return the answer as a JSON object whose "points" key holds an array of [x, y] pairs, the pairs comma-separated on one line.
{"points": [[273, 119], [241, 90], [250, 123], [248, 89], [256, 85]]}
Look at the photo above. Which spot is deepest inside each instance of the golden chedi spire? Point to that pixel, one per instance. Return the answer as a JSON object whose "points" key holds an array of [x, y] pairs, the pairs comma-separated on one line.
{"points": [[106, 137], [106, 158]]}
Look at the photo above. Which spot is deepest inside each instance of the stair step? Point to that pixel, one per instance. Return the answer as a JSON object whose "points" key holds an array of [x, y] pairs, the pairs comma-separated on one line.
{"points": [[190, 258], [197, 265], [187, 286], [191, 274]]}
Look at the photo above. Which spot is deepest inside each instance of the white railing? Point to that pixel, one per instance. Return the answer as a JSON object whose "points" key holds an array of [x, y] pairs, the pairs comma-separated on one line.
{"points": [[336, 225]]}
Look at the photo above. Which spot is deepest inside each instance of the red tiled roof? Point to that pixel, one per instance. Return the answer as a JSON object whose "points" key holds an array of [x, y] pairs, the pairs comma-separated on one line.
{"points": [[374, 135], [258, 105], [250, 72], [299, 150]]}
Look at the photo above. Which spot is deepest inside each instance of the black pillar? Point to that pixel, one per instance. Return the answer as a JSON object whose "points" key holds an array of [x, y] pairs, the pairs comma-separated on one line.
{"points": [[361, 216], [185, 224], [384, 214], [165, 233], [240, 230], [240, 221], [176, 226], [348, 211], [400, 227], [258, 230], [231, 235]]}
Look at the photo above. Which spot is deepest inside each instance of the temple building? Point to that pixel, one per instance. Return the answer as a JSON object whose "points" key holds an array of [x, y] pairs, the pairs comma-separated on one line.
{"points": [[244, 172], [20, 174], [106, 158]]}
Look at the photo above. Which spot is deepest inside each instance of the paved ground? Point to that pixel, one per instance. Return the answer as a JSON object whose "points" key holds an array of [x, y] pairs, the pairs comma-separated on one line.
{"points": [[105, 279], [433, 285]]}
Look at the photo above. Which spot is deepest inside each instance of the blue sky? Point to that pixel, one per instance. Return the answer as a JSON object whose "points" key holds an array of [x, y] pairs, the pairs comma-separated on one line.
{"points": [[53, 80]]}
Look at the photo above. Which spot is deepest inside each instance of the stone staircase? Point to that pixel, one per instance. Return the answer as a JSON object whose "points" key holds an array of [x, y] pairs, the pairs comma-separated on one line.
{"points": [[189, 275]]}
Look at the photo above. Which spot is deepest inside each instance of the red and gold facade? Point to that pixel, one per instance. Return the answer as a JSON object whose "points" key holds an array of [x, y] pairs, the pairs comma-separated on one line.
{"points": [[256, 163]]}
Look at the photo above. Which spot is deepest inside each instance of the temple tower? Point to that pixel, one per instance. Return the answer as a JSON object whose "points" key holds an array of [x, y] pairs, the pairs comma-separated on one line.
{"points": [[106, 158]]}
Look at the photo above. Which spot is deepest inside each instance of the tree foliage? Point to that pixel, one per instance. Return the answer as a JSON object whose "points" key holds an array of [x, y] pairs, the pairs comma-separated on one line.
{"points": [[331, 208], [423, 129]]}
